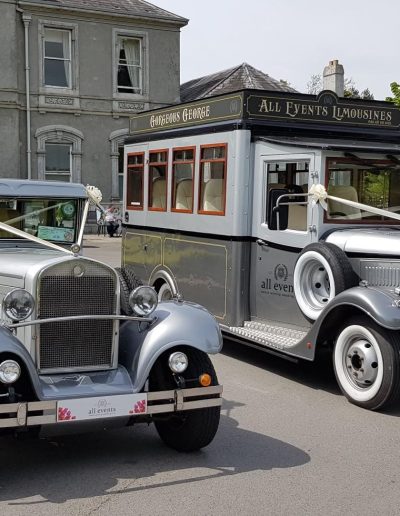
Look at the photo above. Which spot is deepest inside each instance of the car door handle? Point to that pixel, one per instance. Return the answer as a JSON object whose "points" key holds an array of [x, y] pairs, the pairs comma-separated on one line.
{"points": [[261, 242]]}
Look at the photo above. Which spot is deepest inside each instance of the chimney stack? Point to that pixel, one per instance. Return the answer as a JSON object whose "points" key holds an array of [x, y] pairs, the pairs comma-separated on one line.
{"points": [[333, 78]]}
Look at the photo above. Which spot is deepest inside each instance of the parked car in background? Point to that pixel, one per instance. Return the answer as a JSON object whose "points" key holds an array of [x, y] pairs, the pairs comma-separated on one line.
{"points": [[83, 345]]}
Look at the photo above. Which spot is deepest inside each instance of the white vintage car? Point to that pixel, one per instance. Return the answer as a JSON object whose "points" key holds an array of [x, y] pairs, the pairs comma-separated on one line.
{"points": [[83, 344]]}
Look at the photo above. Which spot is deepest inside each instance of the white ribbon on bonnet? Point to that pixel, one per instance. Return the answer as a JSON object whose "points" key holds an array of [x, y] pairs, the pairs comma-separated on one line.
{"points": [[319, 195]]}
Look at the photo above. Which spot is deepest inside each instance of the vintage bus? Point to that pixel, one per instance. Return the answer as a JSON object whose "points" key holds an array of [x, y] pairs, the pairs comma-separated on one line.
{"points": [[279, 213]]}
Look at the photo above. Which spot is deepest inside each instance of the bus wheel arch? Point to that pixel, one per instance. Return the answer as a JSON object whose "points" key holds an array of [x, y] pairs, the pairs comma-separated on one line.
{"points": [[164, 284]]}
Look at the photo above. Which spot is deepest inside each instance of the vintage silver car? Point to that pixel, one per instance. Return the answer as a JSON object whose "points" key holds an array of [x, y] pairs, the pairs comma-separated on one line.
{"points": [[85, 345]]}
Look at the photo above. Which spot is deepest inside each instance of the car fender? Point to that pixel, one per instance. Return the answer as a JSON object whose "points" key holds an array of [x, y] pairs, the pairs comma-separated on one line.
{"points": [[382, 306], [176, 323], [10, 344]]}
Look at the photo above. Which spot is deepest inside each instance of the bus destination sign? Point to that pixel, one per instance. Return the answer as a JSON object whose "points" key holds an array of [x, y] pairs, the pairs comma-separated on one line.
{"points": [[326, 108], [202, 112]]}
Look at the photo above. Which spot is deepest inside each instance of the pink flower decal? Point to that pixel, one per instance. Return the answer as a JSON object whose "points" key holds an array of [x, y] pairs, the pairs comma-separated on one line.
{"points": [[64, 414], [139, 408]]}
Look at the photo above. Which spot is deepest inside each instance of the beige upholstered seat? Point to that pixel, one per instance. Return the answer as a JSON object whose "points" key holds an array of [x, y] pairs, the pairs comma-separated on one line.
{"points": [[336, 209], [212, 198], [297, 217], [159, 193], [184, 195]]}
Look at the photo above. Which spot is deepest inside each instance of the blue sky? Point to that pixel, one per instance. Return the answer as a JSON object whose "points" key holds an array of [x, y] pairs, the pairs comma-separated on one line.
{"points": [[292, 39]]}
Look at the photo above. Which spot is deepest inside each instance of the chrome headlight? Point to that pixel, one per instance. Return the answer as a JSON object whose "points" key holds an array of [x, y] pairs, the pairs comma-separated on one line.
{"points": [[178, 362], [18, 304], [143, 300], [10, 371]]}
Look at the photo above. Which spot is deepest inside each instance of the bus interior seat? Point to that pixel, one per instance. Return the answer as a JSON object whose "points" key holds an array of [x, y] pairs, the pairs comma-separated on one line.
{"points": [[184, 195], [297, 217], [338, 209], [212, 198], [159, 193], [297, 213]]}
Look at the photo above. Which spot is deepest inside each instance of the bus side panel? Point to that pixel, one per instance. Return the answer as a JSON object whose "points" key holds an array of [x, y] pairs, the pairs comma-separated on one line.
{"points": [[201, 271], [143, 251]]}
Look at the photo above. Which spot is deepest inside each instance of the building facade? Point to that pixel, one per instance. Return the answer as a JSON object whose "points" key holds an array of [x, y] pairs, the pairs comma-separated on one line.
{"points": [[72, 73]]}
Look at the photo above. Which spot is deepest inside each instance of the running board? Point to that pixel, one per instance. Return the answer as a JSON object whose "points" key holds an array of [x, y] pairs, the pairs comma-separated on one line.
{"points": [[277, 337]]}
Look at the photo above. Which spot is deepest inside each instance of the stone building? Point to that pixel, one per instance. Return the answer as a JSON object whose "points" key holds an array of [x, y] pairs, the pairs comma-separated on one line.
{"points": [[72, 73]]}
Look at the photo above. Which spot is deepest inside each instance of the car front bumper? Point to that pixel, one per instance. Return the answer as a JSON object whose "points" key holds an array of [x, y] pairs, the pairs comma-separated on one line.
{"points": [[39, 413]]}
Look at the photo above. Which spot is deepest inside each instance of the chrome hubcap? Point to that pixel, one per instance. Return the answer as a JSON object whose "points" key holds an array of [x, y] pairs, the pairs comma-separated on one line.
{"points": [[361, 362], [316, 286]]}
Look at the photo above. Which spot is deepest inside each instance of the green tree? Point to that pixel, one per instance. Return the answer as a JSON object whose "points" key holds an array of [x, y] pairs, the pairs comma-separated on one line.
{"points": [[395, 88]]}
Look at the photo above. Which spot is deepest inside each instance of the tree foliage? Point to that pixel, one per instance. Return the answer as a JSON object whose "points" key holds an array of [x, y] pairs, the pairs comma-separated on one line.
{"points": [[395, 88], [315, 85]]}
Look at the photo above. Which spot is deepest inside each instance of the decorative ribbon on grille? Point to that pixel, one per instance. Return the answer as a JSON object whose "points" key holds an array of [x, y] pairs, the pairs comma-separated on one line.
{"points": [[319, 195]]}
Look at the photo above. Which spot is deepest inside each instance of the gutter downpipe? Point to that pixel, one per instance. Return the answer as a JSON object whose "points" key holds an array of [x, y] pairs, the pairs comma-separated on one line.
{"points": [[27, 18]]}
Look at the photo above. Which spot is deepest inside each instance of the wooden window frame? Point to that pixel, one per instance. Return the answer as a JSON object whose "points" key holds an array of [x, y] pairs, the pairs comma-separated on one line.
{"points": [[150, 184], [217, 160], [128, 205], [173, 189]]}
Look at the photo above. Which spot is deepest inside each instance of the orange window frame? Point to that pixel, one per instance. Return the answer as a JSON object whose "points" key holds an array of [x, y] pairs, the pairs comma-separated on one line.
{"points": [[216, 160], [138, 168], [150, 182], [173, 192]]}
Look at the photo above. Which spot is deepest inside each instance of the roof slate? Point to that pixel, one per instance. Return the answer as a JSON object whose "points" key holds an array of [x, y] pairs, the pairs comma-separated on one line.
{"points": [[134, 8], [237, 78]]}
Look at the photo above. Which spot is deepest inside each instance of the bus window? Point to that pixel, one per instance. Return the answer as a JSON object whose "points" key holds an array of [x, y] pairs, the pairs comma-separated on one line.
{"points": [[158, 165], [365, 181], [134, 189], [292, 177], [212, 179], [182, 179]]}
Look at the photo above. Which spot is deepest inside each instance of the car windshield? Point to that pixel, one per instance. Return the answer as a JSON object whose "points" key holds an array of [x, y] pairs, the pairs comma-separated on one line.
{"points": [[53, 220], [370, 182]]}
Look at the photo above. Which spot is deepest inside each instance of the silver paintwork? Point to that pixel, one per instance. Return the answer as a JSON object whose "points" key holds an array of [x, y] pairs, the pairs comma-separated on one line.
{"points": [[379, 241]]}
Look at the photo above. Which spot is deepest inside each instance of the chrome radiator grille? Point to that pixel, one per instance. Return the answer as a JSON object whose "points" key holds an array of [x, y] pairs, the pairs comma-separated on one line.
{"points": [[76, 287], [380, 273]]}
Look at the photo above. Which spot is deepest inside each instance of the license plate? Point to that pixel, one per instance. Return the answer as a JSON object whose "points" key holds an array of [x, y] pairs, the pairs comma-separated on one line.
{"points": [[101, 407]]}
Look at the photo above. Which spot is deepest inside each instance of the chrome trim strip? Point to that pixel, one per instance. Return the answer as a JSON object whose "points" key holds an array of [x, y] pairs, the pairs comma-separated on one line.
{"points": [[77, 318]]}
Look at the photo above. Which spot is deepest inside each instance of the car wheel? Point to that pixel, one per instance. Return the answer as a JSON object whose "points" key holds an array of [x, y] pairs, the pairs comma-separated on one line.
{"points": [[321, 272], [366, 362], [190, 430]]}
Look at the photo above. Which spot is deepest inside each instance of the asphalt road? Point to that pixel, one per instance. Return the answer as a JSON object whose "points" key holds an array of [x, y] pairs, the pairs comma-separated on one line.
{"points": [[288, 444]]}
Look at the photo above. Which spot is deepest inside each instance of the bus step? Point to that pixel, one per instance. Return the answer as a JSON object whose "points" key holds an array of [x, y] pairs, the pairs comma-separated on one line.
{"points": [[279, 337]]}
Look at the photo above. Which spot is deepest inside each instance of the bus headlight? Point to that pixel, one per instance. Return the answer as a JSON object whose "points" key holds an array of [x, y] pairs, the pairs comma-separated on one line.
{"points": [[10, 371], [18, 304], [143, 300]]}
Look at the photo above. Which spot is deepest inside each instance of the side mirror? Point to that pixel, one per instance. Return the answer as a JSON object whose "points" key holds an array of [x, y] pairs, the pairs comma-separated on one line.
{"points": [[277, 215]]}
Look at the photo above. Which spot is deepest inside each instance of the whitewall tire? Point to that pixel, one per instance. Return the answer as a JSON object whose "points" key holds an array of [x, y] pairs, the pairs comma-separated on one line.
{"points": [[366, 364], [321, 272]]}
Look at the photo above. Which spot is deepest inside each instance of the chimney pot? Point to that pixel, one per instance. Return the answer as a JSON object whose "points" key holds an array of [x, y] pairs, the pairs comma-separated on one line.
{"points": [[333, 77]]}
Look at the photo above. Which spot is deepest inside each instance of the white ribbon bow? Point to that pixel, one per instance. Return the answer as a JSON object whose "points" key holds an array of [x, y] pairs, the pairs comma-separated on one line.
{"points": [[319, 194], [94, 194]]}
